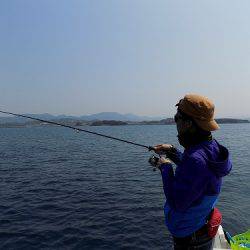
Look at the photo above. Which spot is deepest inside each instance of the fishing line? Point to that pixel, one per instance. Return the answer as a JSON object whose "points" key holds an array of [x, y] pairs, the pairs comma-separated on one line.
{"points": [[78, 129]]}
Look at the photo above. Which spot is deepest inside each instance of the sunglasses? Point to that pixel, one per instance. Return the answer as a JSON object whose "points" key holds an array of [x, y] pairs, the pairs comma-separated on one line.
{"points": [[181, 116], [178, 117]]}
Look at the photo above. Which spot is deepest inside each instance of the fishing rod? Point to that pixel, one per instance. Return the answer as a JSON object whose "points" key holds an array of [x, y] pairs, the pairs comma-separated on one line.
{"points": [[78, 129]]}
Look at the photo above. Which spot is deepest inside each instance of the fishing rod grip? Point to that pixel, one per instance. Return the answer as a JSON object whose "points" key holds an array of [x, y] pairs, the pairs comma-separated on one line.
{"points": [[150, 148]]}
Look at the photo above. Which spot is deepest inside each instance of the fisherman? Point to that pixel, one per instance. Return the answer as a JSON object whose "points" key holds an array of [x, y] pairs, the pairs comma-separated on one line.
{"points": [[192, 190]]}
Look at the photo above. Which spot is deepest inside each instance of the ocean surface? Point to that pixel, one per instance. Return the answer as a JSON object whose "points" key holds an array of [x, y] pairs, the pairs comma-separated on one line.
{"points": [[60, 189]]}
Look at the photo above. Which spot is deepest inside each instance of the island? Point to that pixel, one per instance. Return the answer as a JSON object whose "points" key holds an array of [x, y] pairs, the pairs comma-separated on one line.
{"points": [[108, 122], [78, 123]]}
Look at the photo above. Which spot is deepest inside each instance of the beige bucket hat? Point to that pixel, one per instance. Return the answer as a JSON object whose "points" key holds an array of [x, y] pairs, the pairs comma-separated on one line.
{"points": [[201, 109]]}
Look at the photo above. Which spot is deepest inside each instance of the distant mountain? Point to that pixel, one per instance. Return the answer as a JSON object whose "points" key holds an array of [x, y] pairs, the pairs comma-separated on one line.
{"points": [[104, 116], [118, 117], [16, 119], [231, 120], [99, 116]]}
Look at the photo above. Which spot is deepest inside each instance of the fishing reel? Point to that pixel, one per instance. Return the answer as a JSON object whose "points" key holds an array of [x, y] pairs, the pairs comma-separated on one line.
{"points": [[153, 161]]}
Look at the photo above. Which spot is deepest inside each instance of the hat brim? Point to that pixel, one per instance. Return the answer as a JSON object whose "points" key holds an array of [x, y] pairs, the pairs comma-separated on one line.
{"points": [[207, 125]]}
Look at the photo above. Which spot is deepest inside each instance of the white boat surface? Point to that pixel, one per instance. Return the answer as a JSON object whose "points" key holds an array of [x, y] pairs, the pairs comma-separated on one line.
{"points": [[220, 242]]}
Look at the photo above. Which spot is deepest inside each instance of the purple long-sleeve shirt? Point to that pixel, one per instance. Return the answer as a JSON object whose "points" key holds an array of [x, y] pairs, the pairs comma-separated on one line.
{"points": [[192, 190]]}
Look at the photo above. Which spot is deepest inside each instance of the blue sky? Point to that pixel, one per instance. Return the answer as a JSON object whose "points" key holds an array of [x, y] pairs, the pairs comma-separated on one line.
{"points": [[138, 56]]}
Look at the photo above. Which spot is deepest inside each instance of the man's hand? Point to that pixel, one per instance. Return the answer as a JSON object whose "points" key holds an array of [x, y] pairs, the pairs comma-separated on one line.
{"points": [[163, 160], [162, 148], [157, 162]]}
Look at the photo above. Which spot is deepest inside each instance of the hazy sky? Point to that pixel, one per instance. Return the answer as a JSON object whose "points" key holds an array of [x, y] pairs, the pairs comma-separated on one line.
{"points": [[129, 56]]}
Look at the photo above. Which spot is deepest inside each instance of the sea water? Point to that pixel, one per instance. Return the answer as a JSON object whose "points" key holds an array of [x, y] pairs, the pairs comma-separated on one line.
{"points": [[65, 190]]}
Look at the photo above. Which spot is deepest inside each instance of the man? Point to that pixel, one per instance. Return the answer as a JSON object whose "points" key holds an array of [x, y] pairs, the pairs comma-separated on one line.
{"points": [[192, 191]]}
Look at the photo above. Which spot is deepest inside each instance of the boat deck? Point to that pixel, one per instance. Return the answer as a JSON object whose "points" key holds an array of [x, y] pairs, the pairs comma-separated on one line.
{"points": [[220, 242]]}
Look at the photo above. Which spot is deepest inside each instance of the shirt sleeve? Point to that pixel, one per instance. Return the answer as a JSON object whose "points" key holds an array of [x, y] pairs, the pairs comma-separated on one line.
{"points": [[167, 174], [175, 155], [188, 183]]}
